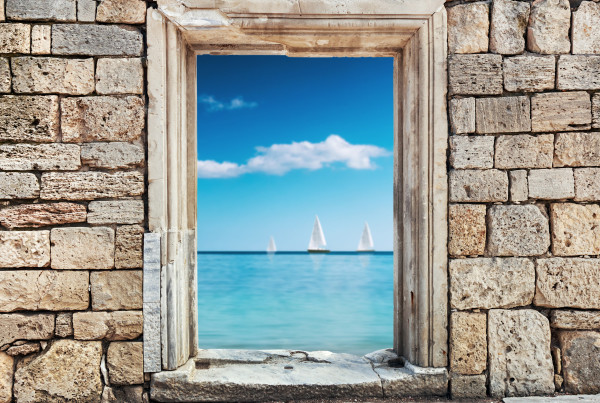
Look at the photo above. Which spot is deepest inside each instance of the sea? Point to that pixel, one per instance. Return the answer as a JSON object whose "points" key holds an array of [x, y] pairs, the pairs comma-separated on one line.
{"points": [[340, 301]]}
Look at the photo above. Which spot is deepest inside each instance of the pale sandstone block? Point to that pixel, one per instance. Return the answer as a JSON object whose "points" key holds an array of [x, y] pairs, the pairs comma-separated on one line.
{"points": [[17, 326], [129, 247], [119, 325], [596, 111], [509, 20], [575, 320], [586, 29], [587, 184], [551, 184], [120, 76], [561, 111], [125, 363], [529, 73], [112, 155], [472, 152], [122, 11], [24, 249], [15, 185], [581, 361], [5, 78], [467, 229], [462, 115], [502, 115], [43, 290], [129, 394], [53, 75], [468, 343], [548, 30], [575, 229], [6, 377], [468, 27], [519, 366], [71, 248], [90, 185], [64, 324], [40, 215], [116, 290], [41, 39], [518, 186], [86, 10], [24, 349], [578, 72], [116, 212], [15, 38], [488, 185], [96, 40], [475, 74], [39, 157], [524, 151], [468, 387], [568, 283], [517, 231], [49, 10], [577, 149], [29, 118], [2, 13]]}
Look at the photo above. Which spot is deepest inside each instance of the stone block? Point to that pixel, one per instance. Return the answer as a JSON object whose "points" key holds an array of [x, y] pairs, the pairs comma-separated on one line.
{"points": [[119, 325], [578, 72], [91, 185], [551, 184], [468, 343], [69, 371], [475, 74], [585, 29], [35, 10], [468, 27], [488, 185], [40, 215], [18, 326], [152, 267], [15, 38], [41, 39], [524, 151], [467, 229], [6, 377], [129, 394], [113, 155], [29, 118], [561, 111], [518, 186], [24, 249], [43, 290], [502, 115], [120, 76], [529, 73], [548, 29], [96, 40], [581, 361], [587, 184], [152, 347], [23, 349], [125, 361], [116, 290], [122, 11], [5, 77], [517, 231], [71, 248], [575, 229], [519, 366], [15, 185], [102, 118], [53, 75], [86, 10], [472, 152], [116, 212], [509, 20], [64, 324], [575, 320], [577, 149], [39, 157], [596, 111], [487, 283], [129, 246], [468, 387], [462, 115], [568, 282]]}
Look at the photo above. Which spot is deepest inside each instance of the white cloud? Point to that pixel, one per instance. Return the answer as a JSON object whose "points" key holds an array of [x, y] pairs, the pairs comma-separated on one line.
{"points": [[279, 159], [213, 105]]}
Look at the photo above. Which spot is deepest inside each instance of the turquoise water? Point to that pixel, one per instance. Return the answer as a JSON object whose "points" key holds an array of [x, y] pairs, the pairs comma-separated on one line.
{"points": [[341, 302]]}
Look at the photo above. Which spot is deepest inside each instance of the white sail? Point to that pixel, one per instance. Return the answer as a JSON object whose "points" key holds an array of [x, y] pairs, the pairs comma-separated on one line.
{"points": [[317, 239], [272, 248], [366, 241]]}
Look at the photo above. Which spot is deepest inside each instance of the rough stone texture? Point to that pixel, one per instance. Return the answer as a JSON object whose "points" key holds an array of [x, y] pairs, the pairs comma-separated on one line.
{"points": [[468, 27], [575, 229], [468, 387], [91, 185], [586, 30], [529, 73], [41, 39], [53, 75], [55, 10], [96, 40], [502, 115], [577, 149], [64, 324], [581, 361], [15, 38], [509, 20], [568, 282], [120, 76], [40, 157], [29, 118], [102, 118], [18, 186], [475, 74], [561, 111], [524, 151], [125, 363], [129, 246], [24, 249], [468, 344], [71, 248], [46, 290], [467, 229], [40, 215], [116, 290], [129, 394], [519, 366], [548, 29], [462, 115], [17, 326], [23, 349], [488, 185], [551, 184], [122, 11], [69, 371], [120, 325], [5, 78], [587, 184], [579, 72], [86, 10], [6, 377], [472, 152], [112, 155], [575, 320], [517, 231], [518, 186], [596, 111], [116, 212]]}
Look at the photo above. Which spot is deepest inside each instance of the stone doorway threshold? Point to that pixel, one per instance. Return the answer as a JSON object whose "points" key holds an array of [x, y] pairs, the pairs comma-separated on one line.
{"points": [[249, 375]]}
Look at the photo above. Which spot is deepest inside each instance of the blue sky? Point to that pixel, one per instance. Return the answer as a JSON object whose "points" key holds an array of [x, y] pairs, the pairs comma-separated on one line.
{"points": [[282, 139]]}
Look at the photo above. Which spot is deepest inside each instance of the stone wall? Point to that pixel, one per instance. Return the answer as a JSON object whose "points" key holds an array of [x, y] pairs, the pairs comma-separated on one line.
{"points": [[524, 180]]}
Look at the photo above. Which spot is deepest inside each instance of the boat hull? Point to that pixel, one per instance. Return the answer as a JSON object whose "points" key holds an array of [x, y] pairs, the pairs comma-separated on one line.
{"points": [[318, 251]]}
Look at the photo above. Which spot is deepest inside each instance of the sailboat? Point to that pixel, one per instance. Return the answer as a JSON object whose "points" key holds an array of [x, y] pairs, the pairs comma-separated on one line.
{"points": [[271, 248], [366, 241], [317, 242]]}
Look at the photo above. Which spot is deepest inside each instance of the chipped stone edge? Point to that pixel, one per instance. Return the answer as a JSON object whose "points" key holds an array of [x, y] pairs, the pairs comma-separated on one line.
{"points": [[151, 303]]}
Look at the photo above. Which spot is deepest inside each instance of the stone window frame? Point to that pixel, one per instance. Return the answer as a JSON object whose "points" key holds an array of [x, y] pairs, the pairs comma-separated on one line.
{"points": [[414, 33]]}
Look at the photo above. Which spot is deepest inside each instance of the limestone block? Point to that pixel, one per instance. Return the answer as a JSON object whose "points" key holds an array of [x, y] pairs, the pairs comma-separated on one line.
{"points": [[54, 10], [488, 185], [120, 76], [129, 246], [18, 326], [91, 185], [96, 40], [29, 118], [120, 325], [71, 248], [116, 290], [53, 75], [518, 186], [596, 111], [579, 72], [64, 324], [129, 394], [581, 361], [23, 349], [529, 73], [468, 343], [41, 39], [471, 152], [15, 38], [5, 78], [6, 377], [122, 11], [468, 387], [24, 249], [102, 118], [551, 184], [2, 14], [577, 149], [548, 30], [40, 215], [587, 184], [39, 157], [18, 186], [43, 290], [112, 155], [467, 229], [475, 74], [575, 320], [561, 111], [86, 10], [468, 27], [586, 30], [462, 115], [524, 151], [517, 231], [69, 371], [491, 283], [502, 115], [125, 363], [519, 366], [116, 212], [575, 229], [568, 282], [509, 20]]}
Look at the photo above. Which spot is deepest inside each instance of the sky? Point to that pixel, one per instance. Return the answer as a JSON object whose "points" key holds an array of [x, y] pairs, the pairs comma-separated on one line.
{"points": [[282, 139]]}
